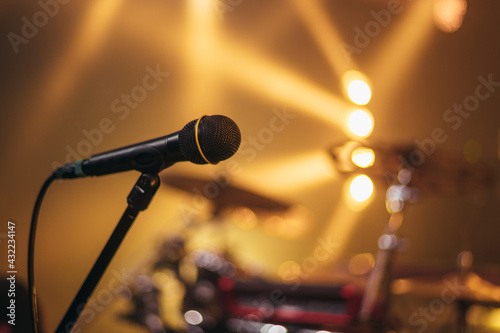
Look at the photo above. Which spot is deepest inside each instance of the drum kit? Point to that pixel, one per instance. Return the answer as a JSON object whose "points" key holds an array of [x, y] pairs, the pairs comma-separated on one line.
{"points": [[205, 290]]}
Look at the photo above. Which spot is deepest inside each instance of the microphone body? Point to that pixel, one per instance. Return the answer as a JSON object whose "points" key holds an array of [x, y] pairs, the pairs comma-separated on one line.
{"points": [[149, 156], [209, 139]]}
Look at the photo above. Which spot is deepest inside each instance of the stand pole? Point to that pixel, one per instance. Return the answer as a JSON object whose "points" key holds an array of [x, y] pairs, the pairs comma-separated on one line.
{"points": [[138, 200]]}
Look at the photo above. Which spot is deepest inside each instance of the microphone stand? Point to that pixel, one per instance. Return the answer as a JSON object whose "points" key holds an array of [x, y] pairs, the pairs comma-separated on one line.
{"points": [[138, 200]]}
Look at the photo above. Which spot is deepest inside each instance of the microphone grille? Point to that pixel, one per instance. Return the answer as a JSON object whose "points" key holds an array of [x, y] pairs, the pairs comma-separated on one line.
{"points": [[219, 138]]}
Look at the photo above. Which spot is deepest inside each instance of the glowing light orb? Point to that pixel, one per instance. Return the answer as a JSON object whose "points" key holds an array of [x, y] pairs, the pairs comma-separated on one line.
{"points": [[449, 14], [363, 157], [359, 92], [361, 188], [361, 123]]}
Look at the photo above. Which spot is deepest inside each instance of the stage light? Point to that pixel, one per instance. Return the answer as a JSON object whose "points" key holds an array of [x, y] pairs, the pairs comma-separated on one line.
{"points": [[361, 188], [449, 14], [356, 87], [363, 157], [359, 92], [193, 317], [361, 123]]}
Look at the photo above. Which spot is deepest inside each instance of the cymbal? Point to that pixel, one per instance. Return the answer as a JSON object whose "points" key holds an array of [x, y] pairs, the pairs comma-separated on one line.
{"points": [[225, 195]]}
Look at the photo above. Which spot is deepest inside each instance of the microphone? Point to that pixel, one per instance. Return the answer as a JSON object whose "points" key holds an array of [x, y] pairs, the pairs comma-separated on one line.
{"points": [[207, 140]]}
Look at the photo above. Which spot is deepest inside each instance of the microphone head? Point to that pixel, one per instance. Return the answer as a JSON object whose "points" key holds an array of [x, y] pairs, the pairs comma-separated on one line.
{"points": [[218, 138]]}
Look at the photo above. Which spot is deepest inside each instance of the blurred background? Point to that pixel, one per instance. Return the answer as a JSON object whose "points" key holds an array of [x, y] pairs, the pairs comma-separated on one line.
{"points": [[336, 101]]}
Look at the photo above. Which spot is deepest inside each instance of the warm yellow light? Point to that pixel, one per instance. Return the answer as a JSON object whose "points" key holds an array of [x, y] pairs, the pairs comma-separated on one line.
{"points": [[68, 67], [449, 14], [359, 92], [160, 279], [491, 318], [363, 157], [361, 123], [405, 39], [325, 32], [361, 188], [268, 78], [293, 174], [357, 87]]}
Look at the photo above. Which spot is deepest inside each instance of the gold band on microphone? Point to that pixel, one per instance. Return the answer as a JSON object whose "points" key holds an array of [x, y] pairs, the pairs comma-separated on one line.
{"points": [[198, 141]]}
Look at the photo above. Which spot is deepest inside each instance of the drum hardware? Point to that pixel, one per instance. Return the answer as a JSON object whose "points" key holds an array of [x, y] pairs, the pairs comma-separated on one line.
{"points": [[201, 294], [223, 297], [440, 173]]}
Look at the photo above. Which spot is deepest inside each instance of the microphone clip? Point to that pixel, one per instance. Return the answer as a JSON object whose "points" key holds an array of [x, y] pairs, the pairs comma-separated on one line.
{"points": [[143, 191]]}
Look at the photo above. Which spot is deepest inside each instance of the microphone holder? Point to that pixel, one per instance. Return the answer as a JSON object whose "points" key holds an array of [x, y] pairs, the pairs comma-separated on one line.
{"points": [[138, 200]]}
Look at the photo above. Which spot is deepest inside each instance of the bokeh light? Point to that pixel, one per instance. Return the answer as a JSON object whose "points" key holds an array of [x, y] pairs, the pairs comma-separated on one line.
{"points": [[193, 317], [244, 218], [404, 176], [277, 329], [359, 92], [449, 14], [361, 123], [387, 242], [363, 157], [361, 188], [396, 196], [356, 87]]}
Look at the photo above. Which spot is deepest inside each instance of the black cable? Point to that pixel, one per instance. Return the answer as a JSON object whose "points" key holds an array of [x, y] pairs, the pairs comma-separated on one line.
{"points": [[31, 252]]}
